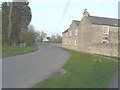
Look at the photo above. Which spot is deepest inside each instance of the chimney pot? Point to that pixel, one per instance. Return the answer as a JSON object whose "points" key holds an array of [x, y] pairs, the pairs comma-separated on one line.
{"points": [[85, 14]]}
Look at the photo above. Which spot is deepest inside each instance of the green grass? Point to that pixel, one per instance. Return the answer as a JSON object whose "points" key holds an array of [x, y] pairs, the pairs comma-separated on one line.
{"points": [[82, 72], [12, 51]]}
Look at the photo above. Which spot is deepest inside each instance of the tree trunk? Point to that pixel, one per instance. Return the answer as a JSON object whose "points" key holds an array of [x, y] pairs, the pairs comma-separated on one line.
{"points": [[10, 21]]}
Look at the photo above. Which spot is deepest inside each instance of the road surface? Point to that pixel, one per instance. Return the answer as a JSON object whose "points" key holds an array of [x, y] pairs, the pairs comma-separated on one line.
{"points": [[24, 71]]}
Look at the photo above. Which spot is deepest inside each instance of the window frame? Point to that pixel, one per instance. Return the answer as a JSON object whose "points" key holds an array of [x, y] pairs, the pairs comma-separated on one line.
{"points": [[75, 42], [76, 32], [105, 41], [105, 32], [70, 33]]}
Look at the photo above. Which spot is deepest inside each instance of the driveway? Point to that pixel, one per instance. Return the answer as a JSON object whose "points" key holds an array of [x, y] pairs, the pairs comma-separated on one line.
{"points": [[24, 71]]}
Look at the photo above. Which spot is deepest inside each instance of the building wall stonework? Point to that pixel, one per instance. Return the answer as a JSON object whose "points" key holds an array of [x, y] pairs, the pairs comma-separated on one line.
{"points": [[84, 35], [98, 35], [105, 49], [64, 40], [70, 37], [91, 39]]}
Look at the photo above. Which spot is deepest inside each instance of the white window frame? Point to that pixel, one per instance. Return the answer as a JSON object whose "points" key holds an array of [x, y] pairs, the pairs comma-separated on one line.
{"points": [[70, 33], [76, 31], [75, 42], [105, 32], [105, 41]]}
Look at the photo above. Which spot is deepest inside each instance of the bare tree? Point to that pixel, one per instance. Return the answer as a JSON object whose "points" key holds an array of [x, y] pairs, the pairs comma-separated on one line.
{"points": [[42, 35], [58, 38]]}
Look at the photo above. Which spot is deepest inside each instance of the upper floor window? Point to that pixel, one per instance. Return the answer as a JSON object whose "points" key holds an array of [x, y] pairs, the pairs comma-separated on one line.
{"points": [[105, 29], [76, 31], [70, 33], [75, 43]]}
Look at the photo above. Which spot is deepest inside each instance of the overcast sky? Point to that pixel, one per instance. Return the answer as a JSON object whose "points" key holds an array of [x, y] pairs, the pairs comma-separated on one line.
{"points": [[55, 16]]}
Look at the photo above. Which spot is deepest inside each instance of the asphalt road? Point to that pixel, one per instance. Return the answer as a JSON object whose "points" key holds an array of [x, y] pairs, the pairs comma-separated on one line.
{"points": [[24, 71]]}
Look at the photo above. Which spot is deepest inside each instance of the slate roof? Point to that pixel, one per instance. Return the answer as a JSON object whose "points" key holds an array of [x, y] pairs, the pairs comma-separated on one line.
{"points": [[48, 38], [76, 22], [103, 21], [65, 31]]}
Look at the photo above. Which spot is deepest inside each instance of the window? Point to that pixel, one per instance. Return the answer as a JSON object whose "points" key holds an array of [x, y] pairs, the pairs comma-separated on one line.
{"points": [[69, 42], [70, 33], [75, 43], [105, 41], [105, 29], [76, 31]]}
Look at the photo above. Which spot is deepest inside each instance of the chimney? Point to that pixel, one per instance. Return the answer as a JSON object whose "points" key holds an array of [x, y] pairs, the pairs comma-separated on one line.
{"points": [[85, 14]]}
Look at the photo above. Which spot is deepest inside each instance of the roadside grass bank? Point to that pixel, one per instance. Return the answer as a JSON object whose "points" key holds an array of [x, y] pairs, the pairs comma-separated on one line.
{"points": [[82, 71], [13, 51]]}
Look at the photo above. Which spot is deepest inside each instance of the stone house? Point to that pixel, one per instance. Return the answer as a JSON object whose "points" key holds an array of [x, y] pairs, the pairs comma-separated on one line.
{"points": [[69, 36], [93, 34]]}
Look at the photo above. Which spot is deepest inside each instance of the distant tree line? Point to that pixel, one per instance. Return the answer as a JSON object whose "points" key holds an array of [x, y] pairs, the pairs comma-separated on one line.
{"points": [[40, 35], [16, 17], [56, 38]]}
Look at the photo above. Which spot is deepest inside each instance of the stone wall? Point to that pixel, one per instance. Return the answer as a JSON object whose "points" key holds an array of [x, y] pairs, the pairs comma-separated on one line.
{"points": [[64, 40], [68, 41], [56, 44], [105, 49], [71, 38], [85, 35], [98, 47]]}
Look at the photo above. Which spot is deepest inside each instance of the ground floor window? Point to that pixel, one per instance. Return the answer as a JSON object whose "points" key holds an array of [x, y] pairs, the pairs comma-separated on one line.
{"points": [[105, 41]]}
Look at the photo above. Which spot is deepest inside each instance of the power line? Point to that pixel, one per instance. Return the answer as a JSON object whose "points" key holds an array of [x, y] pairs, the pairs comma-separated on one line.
{"points": [[64, 12]]}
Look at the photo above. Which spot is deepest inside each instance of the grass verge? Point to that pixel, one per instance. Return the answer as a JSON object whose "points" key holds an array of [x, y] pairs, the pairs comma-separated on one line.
{"points": [[13, 51], [82, 71]]}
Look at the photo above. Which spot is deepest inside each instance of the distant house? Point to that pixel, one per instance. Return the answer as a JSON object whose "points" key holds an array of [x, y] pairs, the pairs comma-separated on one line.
{"points": [[93, 34], [46, 40]]}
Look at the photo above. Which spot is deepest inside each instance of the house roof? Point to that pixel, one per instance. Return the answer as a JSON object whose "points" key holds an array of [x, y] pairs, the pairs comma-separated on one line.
{"points": [[76, 22], [48, 38], [65, 31], [103, 21]]}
